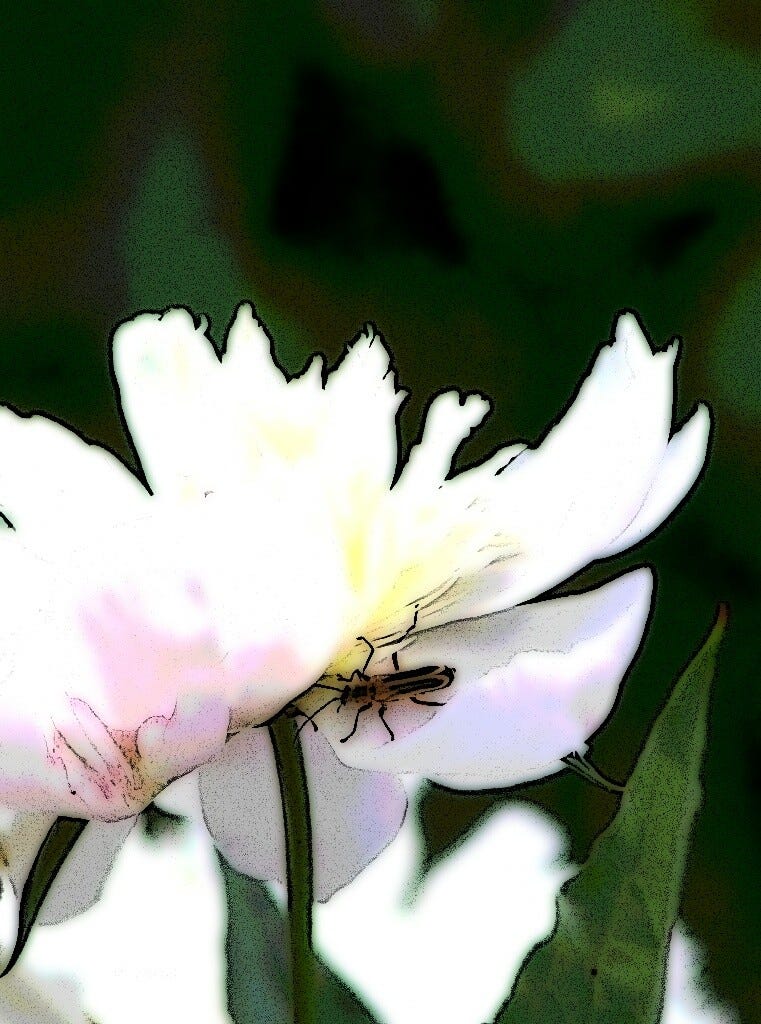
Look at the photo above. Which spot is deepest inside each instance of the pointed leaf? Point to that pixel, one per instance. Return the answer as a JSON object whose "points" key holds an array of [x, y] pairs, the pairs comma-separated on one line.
{"points": [[55, 848], [605, 961]]}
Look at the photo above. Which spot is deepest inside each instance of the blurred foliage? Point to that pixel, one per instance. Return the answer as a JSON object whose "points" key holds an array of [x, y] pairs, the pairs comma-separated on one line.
{"points": [[626, 89], [735, 360], [63, 70], [158, 824], [172, 252], [258, 976], [489, 183]]}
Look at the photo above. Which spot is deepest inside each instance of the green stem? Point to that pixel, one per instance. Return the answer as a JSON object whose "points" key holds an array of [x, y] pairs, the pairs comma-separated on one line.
{"points": [[298, 857], [584, 767]]}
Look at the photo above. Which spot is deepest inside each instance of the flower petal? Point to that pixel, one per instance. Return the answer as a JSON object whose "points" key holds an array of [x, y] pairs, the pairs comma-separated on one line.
{"points": [[80, 881], [339, 431], [532, 685], [364, 398], [566, 502], [201, 424], [53, 482], [76, 886], [30, 996], [354, 814], [152, 949], [123, 665], [680, 467], [450, 418], [168, 376]]}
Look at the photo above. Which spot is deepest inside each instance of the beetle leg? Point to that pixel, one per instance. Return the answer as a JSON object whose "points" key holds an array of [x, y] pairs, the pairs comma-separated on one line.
{"points": [[381, 713], [428, 703], [365, 707]]}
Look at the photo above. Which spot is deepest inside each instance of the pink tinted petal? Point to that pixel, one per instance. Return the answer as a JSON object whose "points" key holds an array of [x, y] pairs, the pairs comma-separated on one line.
{"points": [[355, 814], [34, 775], [532, 685], [144, 663], [175, 639], [194, 732]]}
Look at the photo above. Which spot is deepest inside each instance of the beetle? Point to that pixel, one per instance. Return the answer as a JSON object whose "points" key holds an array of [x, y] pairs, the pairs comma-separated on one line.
{"points": [[383, 688]]}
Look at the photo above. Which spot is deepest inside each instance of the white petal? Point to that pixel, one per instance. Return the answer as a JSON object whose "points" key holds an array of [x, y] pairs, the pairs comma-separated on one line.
{"points": [[201, 424], [29, 996], [168, 376], [566, 501], [342, 426], [680, 467], [53, 483], [152, 949], [77, 885], [335, 436], [448, 422], [688, 999], [363, 396], [532, 685], [249, 357], [450, 954], [80, 881], [354, 814]]}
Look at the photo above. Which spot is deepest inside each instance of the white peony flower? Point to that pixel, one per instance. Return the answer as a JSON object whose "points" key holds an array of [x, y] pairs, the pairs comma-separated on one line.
{"points": [[273, 546]]}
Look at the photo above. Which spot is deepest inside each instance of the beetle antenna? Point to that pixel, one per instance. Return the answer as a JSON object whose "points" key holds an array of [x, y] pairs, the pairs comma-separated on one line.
{"points": [[311, 718], [396, 638], [411, 626], [370, 655]]}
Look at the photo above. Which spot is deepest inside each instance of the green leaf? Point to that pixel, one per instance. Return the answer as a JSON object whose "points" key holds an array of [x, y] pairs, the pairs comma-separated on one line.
{"points": [[734, 359], [55, 848], [605, 962], [258, 974], [174, 252]]}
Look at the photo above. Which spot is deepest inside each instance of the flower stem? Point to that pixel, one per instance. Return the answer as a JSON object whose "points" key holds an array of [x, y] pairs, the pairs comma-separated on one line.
{"points": [[580, 764], [298, 857]]}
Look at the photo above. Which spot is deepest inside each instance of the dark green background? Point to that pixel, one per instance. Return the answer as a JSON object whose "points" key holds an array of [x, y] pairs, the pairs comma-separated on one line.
{"points": [[487, 181]]}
